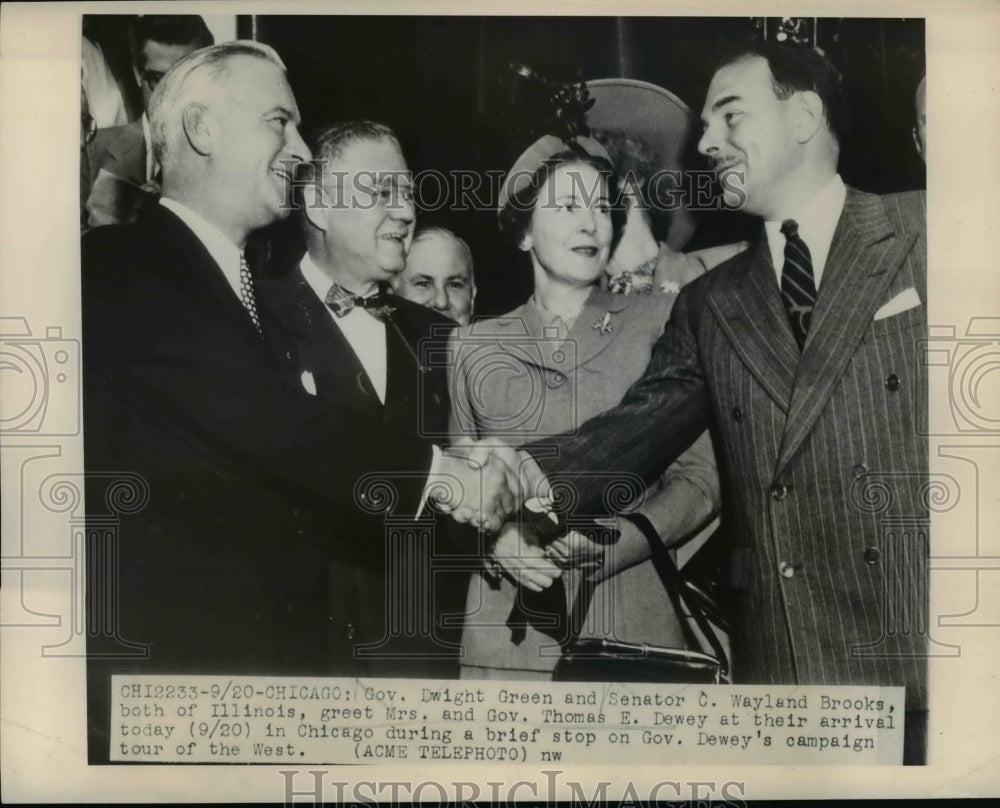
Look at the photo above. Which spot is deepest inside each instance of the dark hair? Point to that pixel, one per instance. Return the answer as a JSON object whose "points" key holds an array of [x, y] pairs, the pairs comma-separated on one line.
{"points": [[799, 68], [169, 29], [515, 217]]}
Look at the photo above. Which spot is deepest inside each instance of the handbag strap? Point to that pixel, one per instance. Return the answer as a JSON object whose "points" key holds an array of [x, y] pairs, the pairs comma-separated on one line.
{"points": [[673, 582]]}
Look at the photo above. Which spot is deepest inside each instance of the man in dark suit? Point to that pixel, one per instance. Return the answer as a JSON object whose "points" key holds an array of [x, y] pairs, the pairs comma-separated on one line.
{"points": [[802, 356], [123, 171], [219, 487], [365, 348]]}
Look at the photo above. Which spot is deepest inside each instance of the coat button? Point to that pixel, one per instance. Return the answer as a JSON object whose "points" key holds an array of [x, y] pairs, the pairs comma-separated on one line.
{"points": [[873, 555], [779, 491], [892, 382], [787, 570], [557, 379], [349, 631], [860, 470], [737, 414]]}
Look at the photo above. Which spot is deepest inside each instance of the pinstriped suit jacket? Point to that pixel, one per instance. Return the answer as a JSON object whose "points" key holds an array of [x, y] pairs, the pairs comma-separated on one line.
{"points": [[823, 461]]}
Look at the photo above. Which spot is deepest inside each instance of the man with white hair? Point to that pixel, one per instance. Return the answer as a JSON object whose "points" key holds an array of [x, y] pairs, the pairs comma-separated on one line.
{"points": [[438, 274], [242, 484]]}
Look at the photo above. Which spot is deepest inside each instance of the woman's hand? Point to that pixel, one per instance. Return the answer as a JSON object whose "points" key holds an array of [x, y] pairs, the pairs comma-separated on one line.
{"points": [[523, 561], [575, 550]]}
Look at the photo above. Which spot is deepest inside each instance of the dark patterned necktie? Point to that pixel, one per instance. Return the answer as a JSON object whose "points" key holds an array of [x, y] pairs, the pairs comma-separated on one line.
{"points": [[247, 297], [379, 305], [798, 287]]}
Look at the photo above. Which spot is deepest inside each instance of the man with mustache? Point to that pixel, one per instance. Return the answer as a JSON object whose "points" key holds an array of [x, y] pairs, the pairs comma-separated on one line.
{"points": [[229, 483], [802, 355]]}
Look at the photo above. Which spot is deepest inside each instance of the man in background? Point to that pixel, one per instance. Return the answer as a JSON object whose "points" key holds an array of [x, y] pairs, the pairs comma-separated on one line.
{"points": [[439, 274], [124, 173]]}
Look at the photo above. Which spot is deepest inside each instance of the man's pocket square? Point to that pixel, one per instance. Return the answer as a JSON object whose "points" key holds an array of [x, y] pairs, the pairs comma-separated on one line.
{"points": [[904, 301]]}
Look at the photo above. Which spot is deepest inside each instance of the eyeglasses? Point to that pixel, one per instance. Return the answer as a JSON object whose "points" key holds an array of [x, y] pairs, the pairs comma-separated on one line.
{"points": [[151, 78]]}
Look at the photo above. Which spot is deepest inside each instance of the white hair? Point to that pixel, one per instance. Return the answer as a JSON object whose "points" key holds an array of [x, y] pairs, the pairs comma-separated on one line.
{"points": [[191, 79]]}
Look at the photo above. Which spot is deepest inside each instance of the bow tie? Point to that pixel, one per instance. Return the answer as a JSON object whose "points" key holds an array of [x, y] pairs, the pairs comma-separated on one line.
{"points": [[379, 305]]}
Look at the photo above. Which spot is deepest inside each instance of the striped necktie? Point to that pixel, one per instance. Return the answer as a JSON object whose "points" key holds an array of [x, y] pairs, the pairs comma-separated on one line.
{"points": [[798, 288]]}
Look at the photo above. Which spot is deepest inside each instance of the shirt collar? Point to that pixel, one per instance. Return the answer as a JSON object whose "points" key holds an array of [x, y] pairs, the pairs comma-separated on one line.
{"points": [[817, 222], [318, 280], [226, 254]]}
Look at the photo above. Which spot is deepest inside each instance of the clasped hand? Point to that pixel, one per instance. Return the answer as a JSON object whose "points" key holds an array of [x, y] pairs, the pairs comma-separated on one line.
{"points": [[482, 483]]}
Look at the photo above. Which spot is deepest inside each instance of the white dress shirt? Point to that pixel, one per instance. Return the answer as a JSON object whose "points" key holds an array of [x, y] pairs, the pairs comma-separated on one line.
{"points": [[364, 332], [226, 254], [817, 222]]}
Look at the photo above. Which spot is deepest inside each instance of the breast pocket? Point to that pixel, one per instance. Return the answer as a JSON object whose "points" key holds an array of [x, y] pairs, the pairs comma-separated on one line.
{"points": [[911, 320]]}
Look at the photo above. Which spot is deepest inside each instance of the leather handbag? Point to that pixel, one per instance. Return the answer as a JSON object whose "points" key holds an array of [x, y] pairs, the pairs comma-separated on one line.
{"points": [[703, 661]]}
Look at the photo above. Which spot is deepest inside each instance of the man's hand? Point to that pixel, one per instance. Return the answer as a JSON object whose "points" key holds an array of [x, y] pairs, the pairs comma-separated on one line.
{"points": [[576, 550], [522, 560], [473, 492], [524, 476]]}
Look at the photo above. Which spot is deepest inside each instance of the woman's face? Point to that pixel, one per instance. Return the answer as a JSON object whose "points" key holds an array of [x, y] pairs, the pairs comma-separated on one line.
{"points": [[570, 232]]}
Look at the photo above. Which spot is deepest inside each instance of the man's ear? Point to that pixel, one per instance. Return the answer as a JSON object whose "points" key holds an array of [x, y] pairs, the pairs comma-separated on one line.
{"points": [[809, 115], [197, 127], [315, 201]]}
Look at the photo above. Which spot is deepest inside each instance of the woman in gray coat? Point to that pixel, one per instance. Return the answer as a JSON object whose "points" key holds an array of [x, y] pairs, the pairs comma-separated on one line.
{"points": [[565, 355]]}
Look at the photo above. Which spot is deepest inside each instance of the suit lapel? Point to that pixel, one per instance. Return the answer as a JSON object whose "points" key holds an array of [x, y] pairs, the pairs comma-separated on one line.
{"points": [[198, 272], [864, 256], [323, 349], [402, 387], [753, 318]]}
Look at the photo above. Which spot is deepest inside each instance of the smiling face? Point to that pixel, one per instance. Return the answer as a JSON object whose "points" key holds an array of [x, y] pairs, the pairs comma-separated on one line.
{"points": [[750, 131], [255, 142], [438, 275], [570, 234], [368, 220]]}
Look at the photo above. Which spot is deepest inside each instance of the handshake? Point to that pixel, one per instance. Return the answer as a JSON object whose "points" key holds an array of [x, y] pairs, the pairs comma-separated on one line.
{"points": [[482, 483]]}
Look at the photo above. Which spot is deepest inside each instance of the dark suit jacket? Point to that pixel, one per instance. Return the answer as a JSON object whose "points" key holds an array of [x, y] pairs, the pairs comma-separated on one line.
{"points": [[253, 484], [824, 456], [416, 403]]}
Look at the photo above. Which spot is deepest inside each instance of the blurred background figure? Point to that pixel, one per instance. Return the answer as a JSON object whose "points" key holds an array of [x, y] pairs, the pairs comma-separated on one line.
{"points": [[646, 130], [103, 93], [920, 127], [439, 274], [124, 175]]}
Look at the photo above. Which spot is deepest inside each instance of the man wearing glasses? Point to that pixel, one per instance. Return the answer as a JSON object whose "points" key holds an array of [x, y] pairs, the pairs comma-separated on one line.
{"points": [[123, 173]]}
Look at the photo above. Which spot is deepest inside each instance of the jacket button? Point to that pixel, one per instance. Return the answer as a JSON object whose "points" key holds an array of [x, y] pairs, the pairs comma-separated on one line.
{"points": [[787, 570], [779, 491], [557, 379], [349, 631], [737, 414], [873, 555], [860, 470], [892, 382]]}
